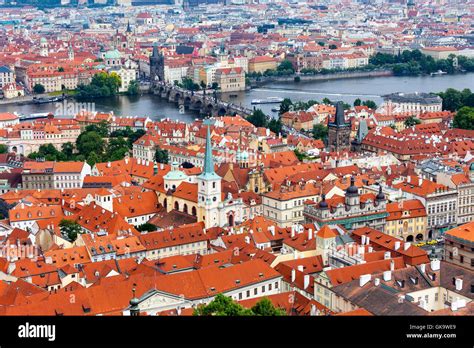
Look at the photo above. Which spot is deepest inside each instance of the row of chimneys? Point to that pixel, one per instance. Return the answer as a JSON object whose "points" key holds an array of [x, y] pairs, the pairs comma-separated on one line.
{"points": [[306, 278]]}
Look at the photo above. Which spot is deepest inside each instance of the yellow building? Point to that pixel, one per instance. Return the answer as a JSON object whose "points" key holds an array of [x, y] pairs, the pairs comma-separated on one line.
{"points": [[407, 220], [262, 64]]}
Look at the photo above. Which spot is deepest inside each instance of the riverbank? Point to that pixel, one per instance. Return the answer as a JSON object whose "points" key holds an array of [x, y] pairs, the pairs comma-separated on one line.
{"points": [[320, 77]]}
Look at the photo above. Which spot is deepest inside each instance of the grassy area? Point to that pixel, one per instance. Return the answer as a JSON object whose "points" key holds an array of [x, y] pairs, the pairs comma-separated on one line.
{"points": [[58, 93]]}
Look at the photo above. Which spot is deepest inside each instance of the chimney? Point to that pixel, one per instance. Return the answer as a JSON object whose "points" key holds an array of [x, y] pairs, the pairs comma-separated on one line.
{"points": [[459, 282], [300, 268], [406, 246], [293, 275], [370, 249], [387, 276], [377, 281], [364, 279], [423, 268], [272, 230], [397, 245], [247, 239], [435, 264], [310, 234], [392, 265], [362, 240], [387, 255], [367, 240], [306, 281]]}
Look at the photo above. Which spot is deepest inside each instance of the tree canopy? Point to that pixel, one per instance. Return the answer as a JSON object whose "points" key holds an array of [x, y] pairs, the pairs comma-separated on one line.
{"points": [[258, 118], [224, 306], [464, 118], [70, 229], [161, 156], [101, 85]]}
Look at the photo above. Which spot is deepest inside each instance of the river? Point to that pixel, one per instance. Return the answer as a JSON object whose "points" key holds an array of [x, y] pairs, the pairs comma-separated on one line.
{"points": [[346, 90]]}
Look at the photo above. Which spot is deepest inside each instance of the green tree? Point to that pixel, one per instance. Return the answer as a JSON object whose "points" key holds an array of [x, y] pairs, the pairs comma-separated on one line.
{"points": [[327, 101], [133, 88], [320, 131], [68, 150], [222, 306], [411, 121], [332, 47], [285, 65], [370, 104], [357, 102], [452, 99], [93, 158], [116, 149], [285, 106], [5, 208], [161, 156], [90, 142], [39, 88], [258, 118], [464, 118], [148, 227], [3, 148], [265, 308], [275, 125], [49, 153], [102, 85], [70, 229], [299, 155], [60, 69]]}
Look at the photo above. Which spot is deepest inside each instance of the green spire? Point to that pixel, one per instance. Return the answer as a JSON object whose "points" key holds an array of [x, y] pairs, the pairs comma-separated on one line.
{"points": [[208, 162], [208, 170]]}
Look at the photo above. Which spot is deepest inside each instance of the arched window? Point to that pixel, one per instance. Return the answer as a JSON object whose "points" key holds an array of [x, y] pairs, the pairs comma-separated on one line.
{"points": [[193, 211], [176, 205], [185, 208]]}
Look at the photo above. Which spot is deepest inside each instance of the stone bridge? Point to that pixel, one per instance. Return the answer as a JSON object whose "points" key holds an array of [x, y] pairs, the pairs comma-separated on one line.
{"points": [[206, 105]]}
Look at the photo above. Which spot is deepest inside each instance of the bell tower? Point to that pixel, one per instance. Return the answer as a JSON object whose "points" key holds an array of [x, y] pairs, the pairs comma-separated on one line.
{"points": [[209, 186]]}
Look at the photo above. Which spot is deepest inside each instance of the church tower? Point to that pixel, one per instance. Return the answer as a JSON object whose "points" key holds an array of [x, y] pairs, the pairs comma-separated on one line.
{"points": [[70, 52], [209, 186], [157, 65], [44, 50], [339, 131]]}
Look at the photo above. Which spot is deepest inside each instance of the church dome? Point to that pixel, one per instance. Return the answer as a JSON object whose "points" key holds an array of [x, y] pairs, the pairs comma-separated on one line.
{"points": [[323, 204], [380, 196], [352, 190], [175, 173]]}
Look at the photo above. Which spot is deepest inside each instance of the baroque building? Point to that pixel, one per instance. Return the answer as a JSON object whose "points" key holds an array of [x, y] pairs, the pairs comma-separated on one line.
{"points": [[351, 211]]}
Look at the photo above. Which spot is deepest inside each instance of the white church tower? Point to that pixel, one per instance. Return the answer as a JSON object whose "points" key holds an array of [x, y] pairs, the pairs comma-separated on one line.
{"points": [[44, 49], [209, 186], [70, 52]]}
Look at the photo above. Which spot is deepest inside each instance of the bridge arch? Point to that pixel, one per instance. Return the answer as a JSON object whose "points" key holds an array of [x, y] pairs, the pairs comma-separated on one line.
{"points": [[222, 111]]}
